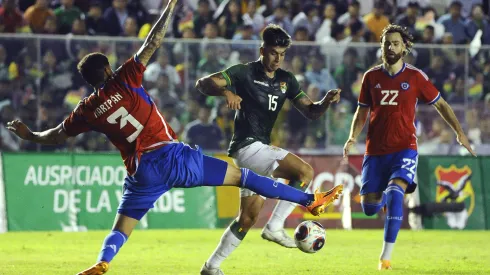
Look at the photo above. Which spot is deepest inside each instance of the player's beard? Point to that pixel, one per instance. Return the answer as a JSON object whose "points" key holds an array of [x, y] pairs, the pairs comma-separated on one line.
{"points": [[391, 59]]}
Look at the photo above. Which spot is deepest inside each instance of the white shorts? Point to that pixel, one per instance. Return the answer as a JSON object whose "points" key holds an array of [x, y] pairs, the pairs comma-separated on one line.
{"points": [[260, 158]]}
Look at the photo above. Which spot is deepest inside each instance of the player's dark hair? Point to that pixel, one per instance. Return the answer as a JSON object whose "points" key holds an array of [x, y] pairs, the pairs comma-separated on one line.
{"points": [[92, 67], [403, 31], [275, 36]]}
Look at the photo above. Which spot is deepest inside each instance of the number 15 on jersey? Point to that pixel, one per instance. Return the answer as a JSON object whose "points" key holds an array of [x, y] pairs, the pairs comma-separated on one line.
{"points": [[273, 102]]}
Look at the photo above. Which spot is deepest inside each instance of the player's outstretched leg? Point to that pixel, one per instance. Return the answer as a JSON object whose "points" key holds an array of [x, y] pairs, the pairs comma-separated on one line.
{"points": [[123, 227], [219, 173], [300, 175], [394, 205]]}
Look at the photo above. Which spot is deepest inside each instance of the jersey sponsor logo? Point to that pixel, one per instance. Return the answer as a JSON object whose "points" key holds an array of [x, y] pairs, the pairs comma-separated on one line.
{"points": [[261, 83], [378, 86], [405, 86], [284, 87], [454, 186]]}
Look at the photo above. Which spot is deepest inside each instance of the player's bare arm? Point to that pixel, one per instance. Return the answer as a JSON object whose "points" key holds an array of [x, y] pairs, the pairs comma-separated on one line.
{"points": [[156, 35], [215, 85], [314, 110], [357, 125], [448, 115], [52, 136]]}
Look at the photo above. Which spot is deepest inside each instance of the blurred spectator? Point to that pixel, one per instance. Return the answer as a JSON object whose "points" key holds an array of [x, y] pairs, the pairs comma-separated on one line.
{"points": [[116, 15], [429, 19], [66, 15], [376, 21], [267, 8], [94, 21], [225, 121], [253, 16], [78, 27], [301, 34], [130, 27], [457, 95], [328, 20], [50, 26], [349, 76], [409, 18], [351, 15], [202, 16], [280, 17], [9, 142], [169, 113], [308, 19], [474, 132], [211, 62], [204, 132], [478, 22], [211, 38], [437, 73], [319, 75], [231, 21], [37, 14], [331, 44], [4, 66], [246, 32], [11, 18], [162, 66], [454, 23], [340, 118]]}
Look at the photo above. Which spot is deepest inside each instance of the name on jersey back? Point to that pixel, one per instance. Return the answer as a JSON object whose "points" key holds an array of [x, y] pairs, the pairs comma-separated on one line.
{"points": [[107, 105]]}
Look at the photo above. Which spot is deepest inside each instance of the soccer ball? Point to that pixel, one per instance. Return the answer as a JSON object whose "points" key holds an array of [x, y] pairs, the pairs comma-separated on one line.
{"points": [[310, 236]]}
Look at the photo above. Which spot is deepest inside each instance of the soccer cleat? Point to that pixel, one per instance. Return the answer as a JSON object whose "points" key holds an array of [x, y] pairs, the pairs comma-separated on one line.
{"points": [[205, 270], [324, 199], [280, 237], [97, 269], [384, 265]]}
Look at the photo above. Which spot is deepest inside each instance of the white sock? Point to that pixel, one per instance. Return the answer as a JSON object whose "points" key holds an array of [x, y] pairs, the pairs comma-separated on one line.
{"points": [[282, 210], [386, 252], [226, 245]]}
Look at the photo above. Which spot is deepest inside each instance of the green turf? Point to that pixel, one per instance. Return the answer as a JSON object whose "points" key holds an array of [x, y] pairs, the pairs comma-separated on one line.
{"points": [[184, 251]]}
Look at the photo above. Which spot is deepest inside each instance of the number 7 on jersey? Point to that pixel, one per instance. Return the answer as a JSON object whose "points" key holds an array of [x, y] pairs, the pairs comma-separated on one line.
{"points": [[125, 118]]}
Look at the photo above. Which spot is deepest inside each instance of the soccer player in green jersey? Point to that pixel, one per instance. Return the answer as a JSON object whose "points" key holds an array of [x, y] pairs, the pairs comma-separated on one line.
{"points": [[257, 91]]}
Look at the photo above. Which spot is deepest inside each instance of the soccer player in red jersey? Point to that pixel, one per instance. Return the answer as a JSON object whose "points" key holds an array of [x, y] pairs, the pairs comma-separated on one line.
{"points": [[155, 161], [390, 93]]}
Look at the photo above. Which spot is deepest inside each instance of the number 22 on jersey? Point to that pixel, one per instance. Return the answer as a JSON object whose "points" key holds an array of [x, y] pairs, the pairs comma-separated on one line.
{"points": [[125, 118], [389, 97]]}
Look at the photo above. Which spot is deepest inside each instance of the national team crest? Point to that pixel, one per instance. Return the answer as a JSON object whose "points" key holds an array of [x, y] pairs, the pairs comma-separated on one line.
{"points": [[405, 86], [283, 86], [454, 185]]}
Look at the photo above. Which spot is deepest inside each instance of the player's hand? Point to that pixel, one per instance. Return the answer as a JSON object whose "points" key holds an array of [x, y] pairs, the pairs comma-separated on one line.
{"points": [[19, 128], [463, 141], [347, 146], [333, 96], [233, 100]]}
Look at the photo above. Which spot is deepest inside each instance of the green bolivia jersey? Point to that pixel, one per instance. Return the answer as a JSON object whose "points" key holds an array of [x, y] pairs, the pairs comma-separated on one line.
{"points": [[262, 99]]}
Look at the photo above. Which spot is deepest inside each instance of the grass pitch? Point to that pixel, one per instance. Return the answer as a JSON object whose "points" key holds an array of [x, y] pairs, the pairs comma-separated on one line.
{"points": [[184, 252]]}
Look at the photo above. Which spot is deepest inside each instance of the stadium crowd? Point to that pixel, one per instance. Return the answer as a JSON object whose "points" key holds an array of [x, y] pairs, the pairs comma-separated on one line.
{"points": [[334, 43]]}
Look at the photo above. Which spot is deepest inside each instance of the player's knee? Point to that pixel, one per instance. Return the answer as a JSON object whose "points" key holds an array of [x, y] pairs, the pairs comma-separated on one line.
{"points": [[371, 203], [370, 209], [306, 173]]}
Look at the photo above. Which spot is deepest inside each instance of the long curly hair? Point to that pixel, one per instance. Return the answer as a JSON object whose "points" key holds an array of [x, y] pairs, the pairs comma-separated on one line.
{"points": [[407, 37]]}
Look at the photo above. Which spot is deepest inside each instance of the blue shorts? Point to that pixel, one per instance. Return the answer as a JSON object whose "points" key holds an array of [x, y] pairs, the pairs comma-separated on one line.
{"points": [[377, 171], [174, 165]]}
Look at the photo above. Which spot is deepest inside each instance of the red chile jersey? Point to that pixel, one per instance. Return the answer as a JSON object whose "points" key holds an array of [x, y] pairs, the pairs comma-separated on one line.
{"points": [[125, 113], [393, 100]]}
